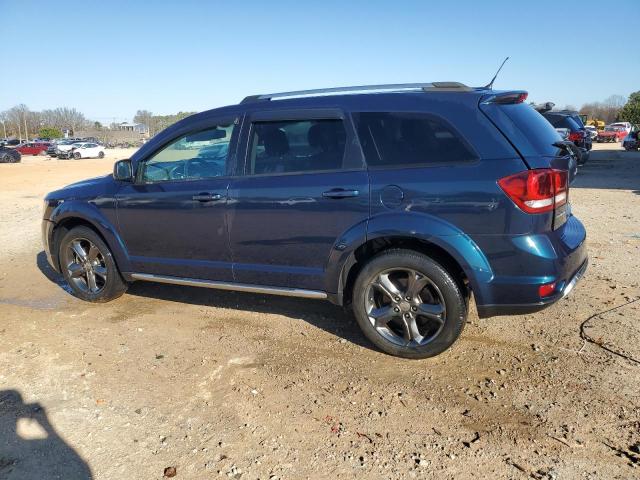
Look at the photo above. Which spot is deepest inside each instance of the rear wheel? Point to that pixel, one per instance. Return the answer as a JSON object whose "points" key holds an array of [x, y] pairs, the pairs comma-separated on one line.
{"points": [[101, 155], [408, 305], [88, 266]]}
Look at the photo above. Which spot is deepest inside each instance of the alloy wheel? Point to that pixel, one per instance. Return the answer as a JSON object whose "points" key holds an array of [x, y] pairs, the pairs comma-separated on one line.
{"points": [[405, 307], [86, 267]]}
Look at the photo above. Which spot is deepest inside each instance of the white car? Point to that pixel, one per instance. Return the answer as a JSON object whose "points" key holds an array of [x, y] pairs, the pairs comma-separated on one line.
{"points": [[87, 150], [592, 131]]}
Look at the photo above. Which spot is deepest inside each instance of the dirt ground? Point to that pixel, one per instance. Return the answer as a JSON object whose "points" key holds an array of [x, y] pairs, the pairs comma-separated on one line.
{"points": [[230, 385]]}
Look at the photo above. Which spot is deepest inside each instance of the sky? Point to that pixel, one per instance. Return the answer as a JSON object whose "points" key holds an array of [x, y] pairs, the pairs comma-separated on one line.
{"points": [[110, 58]]}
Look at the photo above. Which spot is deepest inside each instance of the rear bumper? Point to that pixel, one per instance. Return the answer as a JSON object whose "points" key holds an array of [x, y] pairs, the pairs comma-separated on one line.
{"points": [[519, 309], [522, 263]]}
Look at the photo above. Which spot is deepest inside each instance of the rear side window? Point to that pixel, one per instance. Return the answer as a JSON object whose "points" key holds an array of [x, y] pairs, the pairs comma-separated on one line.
{"points": [[296, 146], [563, 121], [410, 139]]}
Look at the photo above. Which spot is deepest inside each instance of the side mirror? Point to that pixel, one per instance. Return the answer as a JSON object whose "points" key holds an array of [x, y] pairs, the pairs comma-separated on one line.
{"points": [[123, 171]]}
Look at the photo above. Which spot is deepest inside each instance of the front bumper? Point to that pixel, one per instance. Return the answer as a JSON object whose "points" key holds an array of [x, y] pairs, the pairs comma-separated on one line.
{"points": [[47, 242]]}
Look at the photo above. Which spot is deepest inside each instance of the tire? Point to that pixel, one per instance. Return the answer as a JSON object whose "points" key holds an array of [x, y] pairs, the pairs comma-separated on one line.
{"points": [[77, 155], [98, 264], [100, 154], [441, 298]]}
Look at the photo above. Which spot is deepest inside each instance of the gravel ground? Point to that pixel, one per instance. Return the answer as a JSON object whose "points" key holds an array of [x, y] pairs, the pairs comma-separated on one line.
{"points": [[205, 384]]}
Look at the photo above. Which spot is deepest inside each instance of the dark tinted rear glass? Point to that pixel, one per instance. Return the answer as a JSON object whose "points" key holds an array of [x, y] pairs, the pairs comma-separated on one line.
{"points": [[396, 139], [529, 131], [563, 121]]}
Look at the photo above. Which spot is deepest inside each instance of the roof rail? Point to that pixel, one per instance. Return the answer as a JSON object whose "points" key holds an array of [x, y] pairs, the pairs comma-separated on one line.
{"points": [[433, 86]]}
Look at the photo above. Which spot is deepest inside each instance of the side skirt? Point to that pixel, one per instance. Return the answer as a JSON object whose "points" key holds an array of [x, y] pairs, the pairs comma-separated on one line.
{"points": [[237, 287]]}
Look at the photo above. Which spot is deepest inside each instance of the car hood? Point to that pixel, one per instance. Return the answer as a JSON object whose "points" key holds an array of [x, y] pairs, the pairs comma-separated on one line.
{"points": [[90, 188]]}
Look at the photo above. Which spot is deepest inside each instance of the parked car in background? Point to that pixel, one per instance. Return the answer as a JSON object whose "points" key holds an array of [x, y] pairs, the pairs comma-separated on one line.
{"points": [[577, 131], [33, 148], [9, 155], [14, 142], [63, 149], [626, 125], [611, 134], [87, 150], [592, 130], [632, 141], [385, 199]]}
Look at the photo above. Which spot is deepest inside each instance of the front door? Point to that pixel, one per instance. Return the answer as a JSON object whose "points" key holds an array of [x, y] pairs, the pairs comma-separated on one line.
{"points": [[304, 187], [172, 218]]}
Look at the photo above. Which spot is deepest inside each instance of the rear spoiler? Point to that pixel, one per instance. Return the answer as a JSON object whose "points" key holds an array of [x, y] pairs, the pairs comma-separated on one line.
{"points": [[517, 96]]}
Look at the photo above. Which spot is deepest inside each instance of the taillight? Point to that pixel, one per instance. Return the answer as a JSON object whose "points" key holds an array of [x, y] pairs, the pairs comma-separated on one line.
{"points": [[537, 191], [576, 136]]}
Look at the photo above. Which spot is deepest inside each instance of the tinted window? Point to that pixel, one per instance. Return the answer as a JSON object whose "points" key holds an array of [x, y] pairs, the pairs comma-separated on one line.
{"points": [[563, 121], [410, 139], [296, 146], [193, 156]]}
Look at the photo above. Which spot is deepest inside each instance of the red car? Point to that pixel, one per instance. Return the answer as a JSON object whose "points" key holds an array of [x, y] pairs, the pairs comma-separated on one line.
{"points": [[611, 134], [32, 148]]}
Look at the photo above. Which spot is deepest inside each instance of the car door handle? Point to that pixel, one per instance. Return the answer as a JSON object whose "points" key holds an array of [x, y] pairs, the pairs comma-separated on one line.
{"points": [[340, 193], [207, 197]]}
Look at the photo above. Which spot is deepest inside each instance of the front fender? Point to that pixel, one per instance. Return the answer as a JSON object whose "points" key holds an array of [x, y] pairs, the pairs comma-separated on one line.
{"points": [[101, 215], [417, 226]]}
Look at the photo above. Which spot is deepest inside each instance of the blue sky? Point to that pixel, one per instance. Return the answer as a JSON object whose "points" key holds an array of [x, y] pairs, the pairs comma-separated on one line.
{"points": [[111, 58]]}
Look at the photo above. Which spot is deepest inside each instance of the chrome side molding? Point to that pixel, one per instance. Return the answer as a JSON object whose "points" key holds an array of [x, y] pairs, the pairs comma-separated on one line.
{"points": [[237, 287]]}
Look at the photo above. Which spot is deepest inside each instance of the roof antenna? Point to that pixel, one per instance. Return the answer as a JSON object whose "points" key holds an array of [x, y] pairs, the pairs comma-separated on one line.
{"points": [[490, 84]]}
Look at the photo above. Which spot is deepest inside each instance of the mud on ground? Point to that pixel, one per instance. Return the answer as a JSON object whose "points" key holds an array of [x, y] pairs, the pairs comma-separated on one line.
{"points": [[221, 384]]}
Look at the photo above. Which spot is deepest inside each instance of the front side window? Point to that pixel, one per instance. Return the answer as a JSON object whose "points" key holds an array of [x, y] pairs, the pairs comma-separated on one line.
{"points": [[396, 139], [296, 146], [193, 156]]}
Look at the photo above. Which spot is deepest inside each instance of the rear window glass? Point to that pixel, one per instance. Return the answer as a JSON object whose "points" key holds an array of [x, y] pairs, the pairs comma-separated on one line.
{"points": [[563, 121], [527, 129], [396, 139]]}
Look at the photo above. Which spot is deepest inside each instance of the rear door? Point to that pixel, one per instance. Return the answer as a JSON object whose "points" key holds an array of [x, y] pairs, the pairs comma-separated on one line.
{"points": [[304, 186]]}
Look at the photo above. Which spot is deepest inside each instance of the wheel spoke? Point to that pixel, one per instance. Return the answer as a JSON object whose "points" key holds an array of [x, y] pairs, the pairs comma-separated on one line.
{"points": [[93, 252], [431, 311], [416, 283], [382, 315], [91, 281], [78, 250], [384, 283], [100, 271], [410, 330], [75, 270]]}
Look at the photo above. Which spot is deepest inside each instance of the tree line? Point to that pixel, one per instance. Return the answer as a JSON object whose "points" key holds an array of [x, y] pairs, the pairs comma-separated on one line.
{"points": [[157, 123], [23, 123]]}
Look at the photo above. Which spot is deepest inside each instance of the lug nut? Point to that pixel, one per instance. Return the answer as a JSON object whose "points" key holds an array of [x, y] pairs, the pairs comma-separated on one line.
{"points": [[397, 299], [396, 309], [415, 309], [408, 298]]}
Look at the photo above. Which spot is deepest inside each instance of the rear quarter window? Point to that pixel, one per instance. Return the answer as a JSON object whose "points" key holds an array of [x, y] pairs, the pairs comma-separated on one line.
{"points": [[410, 139]]}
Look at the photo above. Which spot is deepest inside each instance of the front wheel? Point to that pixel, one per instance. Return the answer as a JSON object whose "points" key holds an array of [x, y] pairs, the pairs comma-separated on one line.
{"points": [[77, 155], [88, 266], [408, 305]]}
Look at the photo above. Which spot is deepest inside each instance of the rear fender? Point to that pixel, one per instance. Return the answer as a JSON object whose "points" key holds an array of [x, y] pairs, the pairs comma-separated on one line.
{"points": [[417, 226]]}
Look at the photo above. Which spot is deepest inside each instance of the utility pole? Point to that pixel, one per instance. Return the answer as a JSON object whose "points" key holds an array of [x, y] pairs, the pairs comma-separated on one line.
{"points": [[19, 131], [26, 133], [4, 129]]}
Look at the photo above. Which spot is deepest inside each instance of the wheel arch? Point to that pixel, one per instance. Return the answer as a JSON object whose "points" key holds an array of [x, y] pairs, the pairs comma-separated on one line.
{"points": [[67, 219], [372, 247]]}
